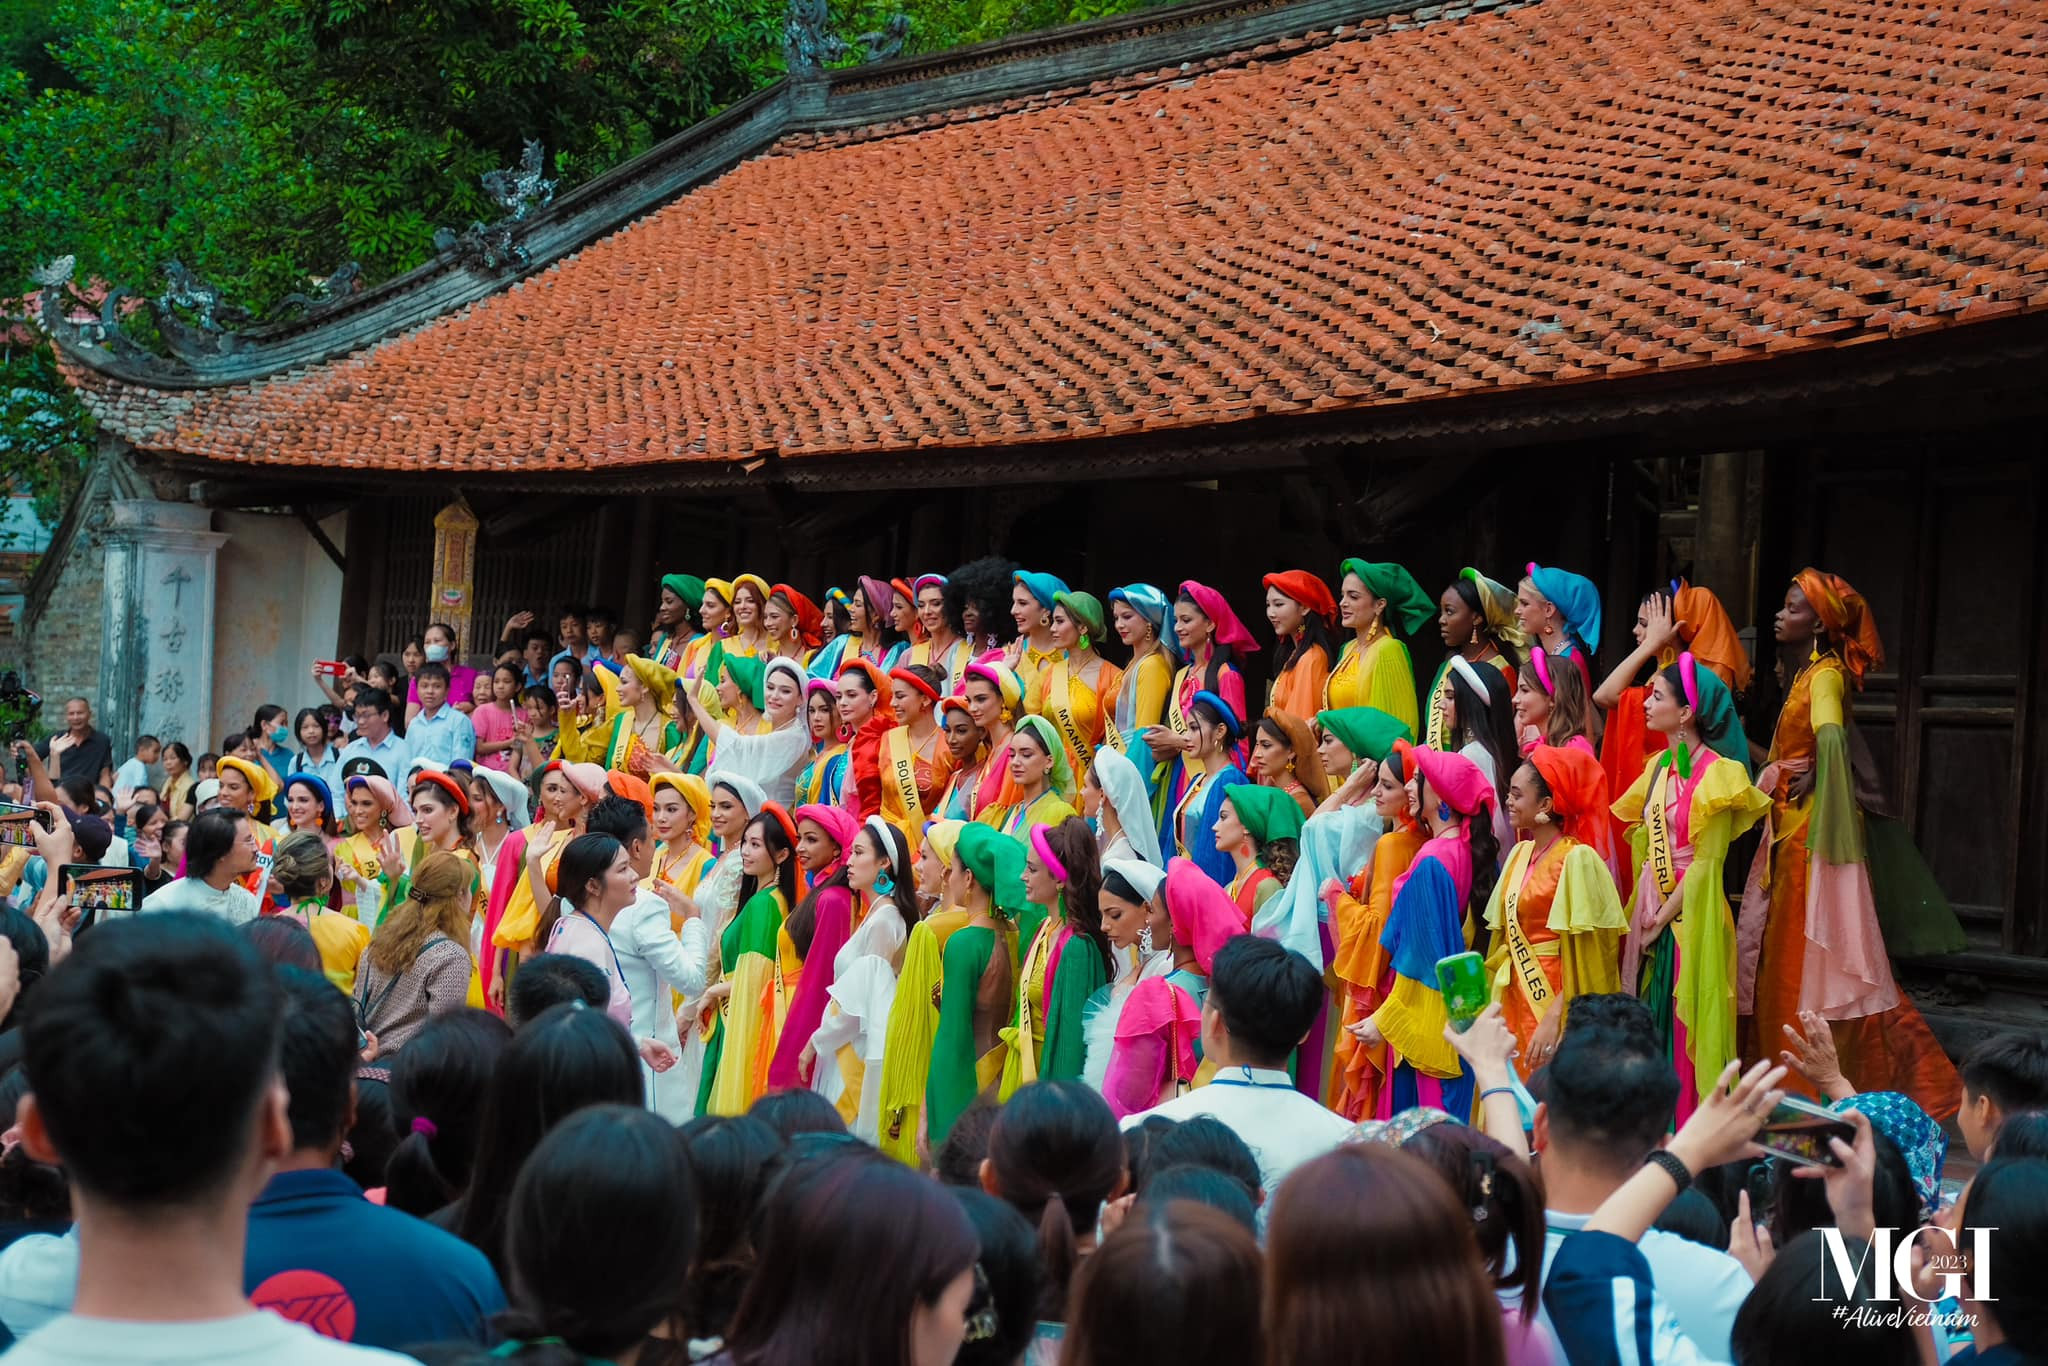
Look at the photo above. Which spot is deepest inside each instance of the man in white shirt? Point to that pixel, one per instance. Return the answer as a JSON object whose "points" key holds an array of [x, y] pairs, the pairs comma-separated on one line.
{"points": [[220, 847], [148, 1008], [1608, 1104], [654, 959], [375, 740], [1262, 1002]]}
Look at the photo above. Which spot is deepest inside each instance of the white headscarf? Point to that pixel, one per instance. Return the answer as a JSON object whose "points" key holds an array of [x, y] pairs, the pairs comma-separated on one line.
{"points": [[1123, 787], [1145, 878], [740, 785]]}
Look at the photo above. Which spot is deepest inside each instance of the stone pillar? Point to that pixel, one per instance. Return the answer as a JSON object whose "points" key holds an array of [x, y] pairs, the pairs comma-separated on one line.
{"points": [[156, 667]]}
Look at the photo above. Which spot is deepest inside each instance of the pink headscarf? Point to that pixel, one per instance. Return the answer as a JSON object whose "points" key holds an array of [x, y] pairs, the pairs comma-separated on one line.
{"points": [[588, 779], [1453, 777], [396, 812], [839, 825], [1229, 630], [1203, 915]]}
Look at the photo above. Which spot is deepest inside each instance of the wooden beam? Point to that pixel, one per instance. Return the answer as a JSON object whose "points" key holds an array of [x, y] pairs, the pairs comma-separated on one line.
{"points": [[321, 538]]}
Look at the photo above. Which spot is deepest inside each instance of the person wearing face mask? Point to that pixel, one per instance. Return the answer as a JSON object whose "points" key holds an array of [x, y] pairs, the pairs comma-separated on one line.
{"points": [[440, 648], [272, 734]]}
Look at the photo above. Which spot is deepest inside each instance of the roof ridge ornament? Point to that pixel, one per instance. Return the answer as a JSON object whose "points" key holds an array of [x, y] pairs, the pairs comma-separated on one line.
{"points": [[810, 45], [521, 192]]}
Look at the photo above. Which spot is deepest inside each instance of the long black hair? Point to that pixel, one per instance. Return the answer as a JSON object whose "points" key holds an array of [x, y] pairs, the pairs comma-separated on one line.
{"points": [[1056, 1155], [567, 1058], [900, 869], [1219, 653], [438, 1083], [1488, 721], [779, 848], [1315, 635], [1080, 892], [802, 924], [735, 1158], [584, 859]]}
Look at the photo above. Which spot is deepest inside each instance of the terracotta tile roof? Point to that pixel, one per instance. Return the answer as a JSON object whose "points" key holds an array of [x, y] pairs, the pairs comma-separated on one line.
{"points": [[1414, 210]]}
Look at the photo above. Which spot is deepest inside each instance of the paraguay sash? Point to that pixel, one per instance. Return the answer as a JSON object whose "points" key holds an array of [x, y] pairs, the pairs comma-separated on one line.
{"points": [[1523, 954]]}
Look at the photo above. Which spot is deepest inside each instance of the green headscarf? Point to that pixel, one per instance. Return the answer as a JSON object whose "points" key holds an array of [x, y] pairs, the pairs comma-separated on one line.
{"points": [[1267, 813], [689, 588], [1061, 779], [1086, 610], [1367, 732], [1407, 605], [749, 675], [996, 861]]}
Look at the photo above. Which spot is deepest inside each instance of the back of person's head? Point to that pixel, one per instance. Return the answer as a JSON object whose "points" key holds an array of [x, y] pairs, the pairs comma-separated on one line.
{"points": [[2024, 1133], [958, 1160], [1178, 1282], [1204, 1186], [567, 1059], [2007, 1205], [620, 817], [1138, 1144], [317, 1057], [81, 792], [1503, 1194], [1612, 1010], [600, 1236], [2011, 1069], [29, 1190], [1003, 1314], [1609, 1097], [1056, 1155], [372, 1138], [210, 838], [1694, 1217], [1266, 996], [866, 1246], [301, 866], [32, 957], [1206, 1141], [1800, 1204], [438, 1084], [554, 979], [1801, 1311], [798, 1110], [173, 1014], [734, 1158], [1367, 1244], [282, 942]]}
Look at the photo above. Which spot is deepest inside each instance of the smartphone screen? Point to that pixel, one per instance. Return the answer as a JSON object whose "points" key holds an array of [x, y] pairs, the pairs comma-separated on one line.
{"points": [[98, 892], [1799, 1132], [15, 823]]}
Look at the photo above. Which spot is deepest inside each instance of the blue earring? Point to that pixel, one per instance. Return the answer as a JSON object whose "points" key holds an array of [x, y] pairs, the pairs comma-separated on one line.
{"points": [[1443, 811], [884, 884]]}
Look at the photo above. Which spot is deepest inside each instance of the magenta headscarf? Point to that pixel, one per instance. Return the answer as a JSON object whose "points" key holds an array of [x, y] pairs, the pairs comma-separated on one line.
{"points": [[837, 822], [1203, 915], [829, 933], [1455, 778], [1229, 630]]}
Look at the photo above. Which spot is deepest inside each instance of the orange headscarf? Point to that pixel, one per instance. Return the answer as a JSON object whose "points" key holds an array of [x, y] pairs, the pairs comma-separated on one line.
{"points": [[1846, 618], [1704, 626], [633, 788], [1578, 790]]}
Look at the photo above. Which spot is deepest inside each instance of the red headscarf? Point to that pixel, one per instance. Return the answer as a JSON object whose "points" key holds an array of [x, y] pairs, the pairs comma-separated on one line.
{"points": [[1578, 790], [1306, 589], [906, 676], [909, 595], [1846, 618], [810, 622], [1229, 630], [454, 790]]}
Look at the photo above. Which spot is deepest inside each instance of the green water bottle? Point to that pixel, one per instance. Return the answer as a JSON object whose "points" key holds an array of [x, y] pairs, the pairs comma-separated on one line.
{"points": [[1462, 979]]}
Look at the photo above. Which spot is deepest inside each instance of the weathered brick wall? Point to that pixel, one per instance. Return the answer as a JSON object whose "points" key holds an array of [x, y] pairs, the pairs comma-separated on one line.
{"points": [[63, 646]]}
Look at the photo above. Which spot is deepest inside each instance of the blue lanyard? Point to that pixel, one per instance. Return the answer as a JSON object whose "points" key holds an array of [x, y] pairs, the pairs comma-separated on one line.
{"points": [[1249, 1081]]}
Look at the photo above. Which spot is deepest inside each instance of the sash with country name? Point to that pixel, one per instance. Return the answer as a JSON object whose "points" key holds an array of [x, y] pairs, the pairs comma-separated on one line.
{"points": [[1663, 857], [1060, 704], [902, 772], [1529, 972]]}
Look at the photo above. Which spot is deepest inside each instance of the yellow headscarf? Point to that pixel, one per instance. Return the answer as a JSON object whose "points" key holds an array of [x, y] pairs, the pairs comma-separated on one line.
{"points": [[261, 780], [943, 837], [696, 794]]}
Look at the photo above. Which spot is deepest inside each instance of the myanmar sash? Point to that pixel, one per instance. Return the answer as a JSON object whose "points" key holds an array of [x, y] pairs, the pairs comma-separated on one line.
{"points": [[1059, 701], [902, 772], [1523, 954]]}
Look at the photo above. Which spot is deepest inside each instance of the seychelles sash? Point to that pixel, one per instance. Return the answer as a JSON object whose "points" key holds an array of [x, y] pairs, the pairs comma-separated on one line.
{"points": [[1059, 702], [1521, 953], [902, 772]]}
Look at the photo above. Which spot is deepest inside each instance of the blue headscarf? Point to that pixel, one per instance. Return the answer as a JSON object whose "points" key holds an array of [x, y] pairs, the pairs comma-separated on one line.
{"points": [[1040, 586], [1154, 606], [1576, 598], [1913, 1132], [319, 786], [1233, 724]]}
